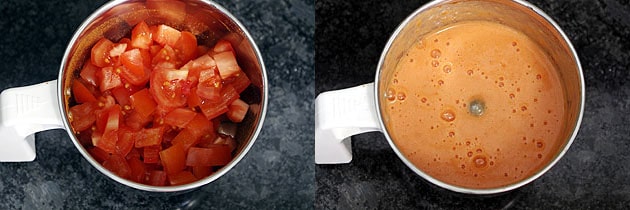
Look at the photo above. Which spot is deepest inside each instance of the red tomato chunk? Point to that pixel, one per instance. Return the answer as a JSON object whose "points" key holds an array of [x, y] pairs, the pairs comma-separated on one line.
{"points": [[148, 106]]}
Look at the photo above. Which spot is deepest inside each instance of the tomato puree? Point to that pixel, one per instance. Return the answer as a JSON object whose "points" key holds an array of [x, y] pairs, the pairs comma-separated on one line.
{"points": [[476, 104]]}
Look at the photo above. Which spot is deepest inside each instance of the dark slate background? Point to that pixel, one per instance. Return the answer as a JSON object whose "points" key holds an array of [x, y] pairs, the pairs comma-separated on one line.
{"points": [[595, 172], [277, 173]]}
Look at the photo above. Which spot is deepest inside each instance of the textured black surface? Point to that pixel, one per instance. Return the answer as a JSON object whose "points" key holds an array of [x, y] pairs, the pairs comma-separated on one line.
{"points": [[277, 172], [594, 173]]}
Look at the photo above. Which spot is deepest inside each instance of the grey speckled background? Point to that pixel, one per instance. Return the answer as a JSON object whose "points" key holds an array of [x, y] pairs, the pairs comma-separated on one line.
{"points": [[595, 172], [276, 174]]}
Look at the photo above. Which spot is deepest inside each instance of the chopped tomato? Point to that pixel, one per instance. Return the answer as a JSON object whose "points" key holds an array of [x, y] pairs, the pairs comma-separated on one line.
{"points": [[108, 79], [117, 164], [187, 46], [82, 116], [157, 178], [150, 137], [179, 117], [125, 142], [118, 49], [173, 159], [166, 87], [165, 35], [151, 154], [143, 103], [212, 110], [98, 154], [88, 73], [237, 110], [149, 118], [81, 93], [240, 81], [209, 86], [217, 155], [223, 46], [100, 53], [138, 170], [141, 36], [180, 178]]}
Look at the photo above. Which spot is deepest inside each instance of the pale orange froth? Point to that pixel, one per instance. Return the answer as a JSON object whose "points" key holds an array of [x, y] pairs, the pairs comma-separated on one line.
{"points": [[513, 130]]}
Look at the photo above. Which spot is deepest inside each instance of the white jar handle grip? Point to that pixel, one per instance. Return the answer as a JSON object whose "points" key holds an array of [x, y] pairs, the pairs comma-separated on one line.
{"points": [[339, 115], [23, 112]]}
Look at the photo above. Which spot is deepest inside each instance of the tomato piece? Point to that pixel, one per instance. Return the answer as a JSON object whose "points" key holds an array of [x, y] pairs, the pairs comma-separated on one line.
{"points": [[237, 110], [136, 121], [173, 159], [88, 73], [179, 117], [201, 172], [166, 87], [186, 138], [157, 178], [82, 116], [134, 67], [150, 137], [117, 164], [100, 53], [165, 35], [180, 178], [138, 170], [134, 153], [186, 45], [126, 41], [225, 140], [151, 154], [202, 50], [98, 154], [81, 93], [166, 58], [193, 99], [122, 95], [204, 62], [240, 81], [141, 36], [108, 140], [222, 46], [226, 63], [212, 110], [143, 103], [199, 126], [108, 79], [217, 155], [125, 142], [117, 49], [210, 85]]}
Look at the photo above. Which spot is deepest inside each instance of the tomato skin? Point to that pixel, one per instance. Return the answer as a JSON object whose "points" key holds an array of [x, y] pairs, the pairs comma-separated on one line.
{"points": [[179, 117], [217, 155], [100, 53], [165, 35], [157, 178], [151, 154], [138, 170], [180, 178], [173, 159], [118, 165], [143, 103], [108, 78], [237, 110], [187, 46], [88, 73], [82, 116], [141, 36], [150, 137], [81, 93]]}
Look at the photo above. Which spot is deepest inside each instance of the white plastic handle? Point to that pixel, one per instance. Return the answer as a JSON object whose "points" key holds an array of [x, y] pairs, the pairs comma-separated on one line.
{"points": [[339, 115], [23, 112]]}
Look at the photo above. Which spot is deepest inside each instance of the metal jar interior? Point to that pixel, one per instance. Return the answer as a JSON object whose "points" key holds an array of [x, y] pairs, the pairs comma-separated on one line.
{"points": [[209, 22], [519, 15]]}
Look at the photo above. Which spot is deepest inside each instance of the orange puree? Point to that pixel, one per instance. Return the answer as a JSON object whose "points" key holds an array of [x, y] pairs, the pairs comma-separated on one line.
{"points": [[477, 104]]}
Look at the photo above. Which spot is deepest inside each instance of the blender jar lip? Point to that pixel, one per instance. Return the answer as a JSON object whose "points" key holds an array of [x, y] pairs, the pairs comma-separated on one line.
{"points": [[466, 190], [60, 99]]}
